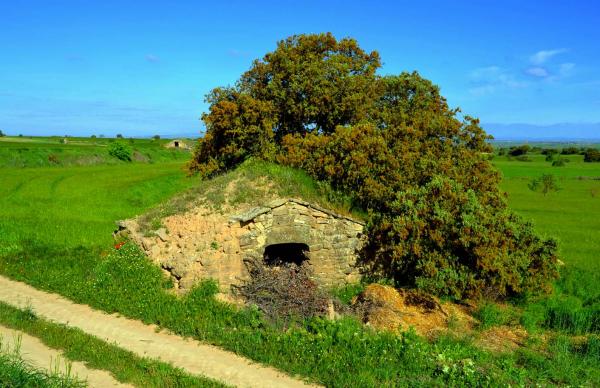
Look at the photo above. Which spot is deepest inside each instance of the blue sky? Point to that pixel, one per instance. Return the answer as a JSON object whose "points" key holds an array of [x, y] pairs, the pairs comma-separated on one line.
{"points": [[143, 67]]}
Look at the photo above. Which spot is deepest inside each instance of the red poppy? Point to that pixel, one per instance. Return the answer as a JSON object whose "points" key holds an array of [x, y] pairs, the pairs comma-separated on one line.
{"points": [[119, 245]]}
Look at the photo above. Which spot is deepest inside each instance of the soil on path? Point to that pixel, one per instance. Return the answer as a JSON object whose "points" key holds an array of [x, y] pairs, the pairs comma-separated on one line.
{"points": [[145, 340], [39, 356]]}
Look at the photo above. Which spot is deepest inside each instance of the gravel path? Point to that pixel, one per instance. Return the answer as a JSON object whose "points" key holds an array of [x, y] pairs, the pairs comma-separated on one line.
{"points": [[144, 340], [38, 355]]}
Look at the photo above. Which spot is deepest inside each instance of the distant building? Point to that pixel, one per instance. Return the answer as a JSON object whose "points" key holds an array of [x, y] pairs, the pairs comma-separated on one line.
{"points": [[178, 143]]}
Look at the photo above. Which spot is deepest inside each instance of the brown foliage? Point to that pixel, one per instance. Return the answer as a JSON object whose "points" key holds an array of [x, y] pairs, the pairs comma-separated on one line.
{"points": [[284, 292]]}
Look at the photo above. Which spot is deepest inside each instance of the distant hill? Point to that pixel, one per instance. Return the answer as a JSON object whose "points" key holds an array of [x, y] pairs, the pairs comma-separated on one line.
{"points": [[564, 131]]}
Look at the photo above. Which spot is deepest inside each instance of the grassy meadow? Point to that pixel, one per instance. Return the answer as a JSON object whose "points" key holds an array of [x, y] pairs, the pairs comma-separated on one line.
{"points": [[55, 233], [572, 215]]}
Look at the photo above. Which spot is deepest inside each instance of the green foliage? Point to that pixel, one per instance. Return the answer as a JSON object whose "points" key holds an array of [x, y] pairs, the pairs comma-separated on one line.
{"points": [[310, 83], [544, 184], [591, 155], [443, 239], [317, 104], [14, 372], [560, 162], [97, 354], [570, 151], [520, 150], [156, 137], [2, 133], [120, 151], [490, 314], [119, 136]]}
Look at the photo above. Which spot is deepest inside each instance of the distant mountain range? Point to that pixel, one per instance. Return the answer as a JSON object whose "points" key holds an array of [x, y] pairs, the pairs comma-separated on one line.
{"points": [[558, 132]]}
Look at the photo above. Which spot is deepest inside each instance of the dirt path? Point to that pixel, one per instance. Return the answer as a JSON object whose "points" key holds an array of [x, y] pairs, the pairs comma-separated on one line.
{"points": [[193, 356], [42, 357]]}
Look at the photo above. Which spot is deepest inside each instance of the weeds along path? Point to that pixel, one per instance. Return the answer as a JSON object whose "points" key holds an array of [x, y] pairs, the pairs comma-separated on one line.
{"points": [[38, 355], [145, 340]]}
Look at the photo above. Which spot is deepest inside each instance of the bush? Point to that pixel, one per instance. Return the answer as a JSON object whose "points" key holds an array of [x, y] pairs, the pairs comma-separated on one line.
{"points": [[560, 162], [591, 155], [520, 150], [2, 134], [120, 151]]}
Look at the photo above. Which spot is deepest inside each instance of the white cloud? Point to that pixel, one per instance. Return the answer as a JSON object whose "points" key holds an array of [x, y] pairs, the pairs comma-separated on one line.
{"points": [[544, 55], [537, 72], [487, 80], [152, 58], [566, 69]]}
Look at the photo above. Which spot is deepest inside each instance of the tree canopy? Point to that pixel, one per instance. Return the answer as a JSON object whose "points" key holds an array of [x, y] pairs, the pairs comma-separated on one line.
{"points": [[438, 220]]}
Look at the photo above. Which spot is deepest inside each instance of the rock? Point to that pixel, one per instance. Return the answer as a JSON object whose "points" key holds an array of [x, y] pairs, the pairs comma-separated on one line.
{"points": [[162, 234]]}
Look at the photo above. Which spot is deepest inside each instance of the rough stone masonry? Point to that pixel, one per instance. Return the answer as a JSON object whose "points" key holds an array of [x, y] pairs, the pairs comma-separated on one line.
{"points": [[202, 244]]}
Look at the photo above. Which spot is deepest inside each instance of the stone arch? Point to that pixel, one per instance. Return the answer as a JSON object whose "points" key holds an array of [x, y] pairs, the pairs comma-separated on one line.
{"points": [[295, 253]]}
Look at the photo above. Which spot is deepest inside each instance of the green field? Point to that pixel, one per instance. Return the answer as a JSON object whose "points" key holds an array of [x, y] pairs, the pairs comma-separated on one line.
{"points": [[55, 233], [572, 215], [52, 151]]}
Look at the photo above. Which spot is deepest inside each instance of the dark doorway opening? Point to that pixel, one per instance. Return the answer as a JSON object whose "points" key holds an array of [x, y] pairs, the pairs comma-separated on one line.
{"points": [[278, 254], [176, 144]]}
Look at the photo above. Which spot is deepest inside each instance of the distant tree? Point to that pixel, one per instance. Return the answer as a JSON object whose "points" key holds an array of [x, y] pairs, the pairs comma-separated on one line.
{"points": [[502, 151], [93, 136], [518, 151], [119, 136], [101, 136], [156, 137], [20, 135], [591, 155], [2, 134], [570, 151], [549, 151], [545, 184]]}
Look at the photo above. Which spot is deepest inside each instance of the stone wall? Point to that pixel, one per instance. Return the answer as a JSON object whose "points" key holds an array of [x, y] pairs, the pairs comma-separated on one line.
{"points": [[203, 244], [332, 239]]}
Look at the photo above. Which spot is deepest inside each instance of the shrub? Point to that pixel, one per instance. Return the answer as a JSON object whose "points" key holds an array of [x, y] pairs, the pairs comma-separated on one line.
{"points": [[520, 150], [120, 151], [560, 162], [119, 136], [156, 137], [591, 155], [53, 159], [444, 240], [2, 134]]}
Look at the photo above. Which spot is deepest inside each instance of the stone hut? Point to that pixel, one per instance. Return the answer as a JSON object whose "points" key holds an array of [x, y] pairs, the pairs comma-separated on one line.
{"points": [[196, 245], [178, 144]]}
